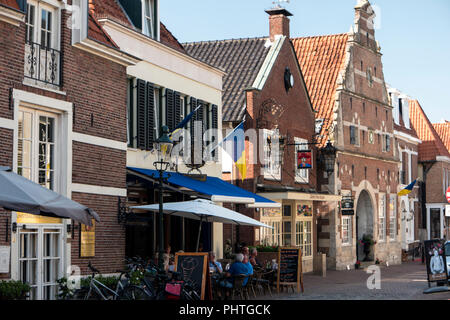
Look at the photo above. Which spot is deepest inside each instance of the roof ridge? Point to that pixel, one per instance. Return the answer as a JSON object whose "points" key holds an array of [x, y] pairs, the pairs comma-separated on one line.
{"points": [[321, 36], [224, 40]]}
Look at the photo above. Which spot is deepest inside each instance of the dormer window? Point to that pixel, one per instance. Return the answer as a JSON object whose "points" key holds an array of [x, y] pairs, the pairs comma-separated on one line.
{"points": [[149, 18], [400, 107]]}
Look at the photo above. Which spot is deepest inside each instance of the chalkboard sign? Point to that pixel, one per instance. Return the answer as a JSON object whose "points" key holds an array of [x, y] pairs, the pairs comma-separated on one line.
{"points": [[290, 268], [193, 267]]}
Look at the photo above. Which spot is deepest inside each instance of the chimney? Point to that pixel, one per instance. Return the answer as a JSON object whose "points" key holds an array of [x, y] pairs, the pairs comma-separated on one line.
{"points": [[278, 22]]}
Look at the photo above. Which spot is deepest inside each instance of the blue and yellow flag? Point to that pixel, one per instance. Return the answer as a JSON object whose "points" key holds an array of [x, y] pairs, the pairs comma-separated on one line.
{"points": [[237, 137], [407, 190], [185, 121]]}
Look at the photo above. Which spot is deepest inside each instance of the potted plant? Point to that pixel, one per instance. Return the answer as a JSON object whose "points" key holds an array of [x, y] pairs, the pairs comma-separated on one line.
{"points": [[367, 242], [14, 290]]}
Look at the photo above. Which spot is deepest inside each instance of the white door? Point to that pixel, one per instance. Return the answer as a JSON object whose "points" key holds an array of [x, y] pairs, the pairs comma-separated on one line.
{"points": [[40, 259]]}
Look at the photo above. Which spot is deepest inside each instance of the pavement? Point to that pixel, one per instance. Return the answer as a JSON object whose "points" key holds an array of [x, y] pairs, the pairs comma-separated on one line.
{"points": [[401, 282]]}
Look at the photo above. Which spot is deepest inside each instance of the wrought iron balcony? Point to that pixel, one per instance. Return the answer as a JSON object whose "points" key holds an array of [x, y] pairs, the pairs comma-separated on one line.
{"points": [[42, 64]]}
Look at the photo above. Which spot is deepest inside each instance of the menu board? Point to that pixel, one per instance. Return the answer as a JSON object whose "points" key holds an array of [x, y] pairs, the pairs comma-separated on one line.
{"points": [[290, 268], [87, 240], [193, 267]]}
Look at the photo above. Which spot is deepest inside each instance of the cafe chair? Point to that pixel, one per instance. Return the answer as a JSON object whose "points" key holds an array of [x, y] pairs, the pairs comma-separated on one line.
{"points": [[262, 284], [238, 286]]}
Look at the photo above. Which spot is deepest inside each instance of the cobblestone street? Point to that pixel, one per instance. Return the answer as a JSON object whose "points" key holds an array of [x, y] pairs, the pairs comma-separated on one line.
{"points": [[401, 282]]}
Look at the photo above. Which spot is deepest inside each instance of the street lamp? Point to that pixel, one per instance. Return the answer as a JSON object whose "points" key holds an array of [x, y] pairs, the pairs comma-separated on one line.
{"points": [[163, 147], [329, 157]]}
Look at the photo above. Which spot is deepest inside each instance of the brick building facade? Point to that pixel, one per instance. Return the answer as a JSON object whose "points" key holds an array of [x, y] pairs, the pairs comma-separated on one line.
{"points": [[264, 87], [354, 113], [63, 115]]}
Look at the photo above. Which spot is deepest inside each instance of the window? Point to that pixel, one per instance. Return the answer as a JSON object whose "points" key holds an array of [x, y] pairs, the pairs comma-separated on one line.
{"points": [[303, 237], [271, 236], [351, 103], [30, 22], [287, 233], [386, 143], [42, 56], [287, 211], [378, 174], [36, 159], [354, 135], [40, 23], [272, 168], [301, 175], [149, 18], [346, 230], [382, 219], [392, 217], [400, 108], [364, 107]]}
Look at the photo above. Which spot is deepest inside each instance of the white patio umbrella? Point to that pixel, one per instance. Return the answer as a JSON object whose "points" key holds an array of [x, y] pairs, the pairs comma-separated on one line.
{"points": [[203, 210]]}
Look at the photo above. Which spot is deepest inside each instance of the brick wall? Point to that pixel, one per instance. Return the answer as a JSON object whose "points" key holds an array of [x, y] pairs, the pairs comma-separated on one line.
{"points": [[98, 89]]}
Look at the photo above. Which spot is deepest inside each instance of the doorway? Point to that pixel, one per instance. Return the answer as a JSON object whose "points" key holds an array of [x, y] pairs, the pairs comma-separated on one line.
{"points": [[435, 223], [40, 252], [364, 224]]}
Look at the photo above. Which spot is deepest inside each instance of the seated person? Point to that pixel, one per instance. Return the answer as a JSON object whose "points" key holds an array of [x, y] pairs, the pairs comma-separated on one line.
{"points": [[253, 260], [213, 264], [238, 267], [249, 266]]}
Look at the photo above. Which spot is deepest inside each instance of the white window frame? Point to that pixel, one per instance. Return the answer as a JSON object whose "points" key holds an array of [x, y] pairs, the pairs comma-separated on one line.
{"points": [[271, 236], [347, 230], [304, 234], [52, 7], [392, 217], [152, 16], [271, 171], [36, 114], [382, 218], [301, 175]]}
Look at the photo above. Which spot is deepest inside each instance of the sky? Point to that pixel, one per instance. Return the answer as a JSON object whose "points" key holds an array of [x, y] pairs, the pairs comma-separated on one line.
{"points": [[414, 35]]}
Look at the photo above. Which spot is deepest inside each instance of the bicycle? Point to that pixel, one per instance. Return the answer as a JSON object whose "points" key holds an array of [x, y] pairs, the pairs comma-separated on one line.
{"points": [[98, 291]]}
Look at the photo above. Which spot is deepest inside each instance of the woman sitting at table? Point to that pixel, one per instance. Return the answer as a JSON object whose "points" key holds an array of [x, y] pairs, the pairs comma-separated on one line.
{"points": [[214, 265], [253, 260]]}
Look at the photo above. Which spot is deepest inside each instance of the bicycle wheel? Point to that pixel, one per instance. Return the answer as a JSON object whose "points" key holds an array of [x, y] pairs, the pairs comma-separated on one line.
{"points": [[135, 293], [84, 294]]}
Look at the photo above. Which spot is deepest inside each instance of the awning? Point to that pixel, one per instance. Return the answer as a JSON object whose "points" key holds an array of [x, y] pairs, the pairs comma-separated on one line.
{"points": [[216, 188]]}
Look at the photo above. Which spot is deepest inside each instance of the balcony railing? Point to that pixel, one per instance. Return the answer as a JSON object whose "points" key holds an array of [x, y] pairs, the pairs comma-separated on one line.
{"points": [[42, 64]]}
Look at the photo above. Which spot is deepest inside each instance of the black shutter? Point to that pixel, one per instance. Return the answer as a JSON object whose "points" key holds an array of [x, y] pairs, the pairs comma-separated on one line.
{"points": [[150, 116], [177, 108], [214, 125], [215, 121], [170, 110], [141, 114]]}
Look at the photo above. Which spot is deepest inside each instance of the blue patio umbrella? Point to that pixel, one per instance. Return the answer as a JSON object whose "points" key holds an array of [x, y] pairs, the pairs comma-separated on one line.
{"points": [[20, 194]]}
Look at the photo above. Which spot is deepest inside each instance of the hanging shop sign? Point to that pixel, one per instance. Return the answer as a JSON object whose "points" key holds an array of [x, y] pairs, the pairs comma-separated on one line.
{"points": [[347, 206], [436, 260], [87, 240], [271, 212], [447, 210], [304, 159]]}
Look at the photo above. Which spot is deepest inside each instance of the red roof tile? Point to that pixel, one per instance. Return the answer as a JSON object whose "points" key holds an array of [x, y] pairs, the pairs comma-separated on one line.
{"points": [[10, 3], [166, 37], [443, 130], [431, 145], [110, 9], [97, 33], [321, 59]]}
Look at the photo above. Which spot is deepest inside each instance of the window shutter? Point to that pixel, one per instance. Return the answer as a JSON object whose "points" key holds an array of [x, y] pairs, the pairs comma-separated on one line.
{"points": [[177, 108], [170, 109], [141, 114], [215, 123], [150, 116]]}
